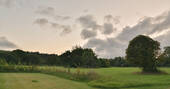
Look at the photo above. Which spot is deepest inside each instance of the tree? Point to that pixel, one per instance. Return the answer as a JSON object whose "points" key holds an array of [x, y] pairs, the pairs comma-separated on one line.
{"points": [[118, 62], [164, 58], [143, 52], [89, 58], [66, 59]]}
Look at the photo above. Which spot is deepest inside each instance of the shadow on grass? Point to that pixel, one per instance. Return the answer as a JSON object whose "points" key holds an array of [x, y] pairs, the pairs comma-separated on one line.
{"points": [[160, 72], [134, 86]]}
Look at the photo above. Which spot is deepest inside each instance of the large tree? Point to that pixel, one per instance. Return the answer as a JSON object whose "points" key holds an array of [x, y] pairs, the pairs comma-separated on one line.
{"points": [[143, 52]]}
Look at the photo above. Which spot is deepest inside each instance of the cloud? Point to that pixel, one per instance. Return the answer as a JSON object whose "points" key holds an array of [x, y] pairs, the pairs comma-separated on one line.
{"points": [[4, 43], [148, 26], [105, 48], [111, 19], [50, 12], [86, 34], [66, 29], [88, 22], [164, 39], [108, 28], [46, 11], [52, 20], [62, 18], [157, 27], [41, 21]]}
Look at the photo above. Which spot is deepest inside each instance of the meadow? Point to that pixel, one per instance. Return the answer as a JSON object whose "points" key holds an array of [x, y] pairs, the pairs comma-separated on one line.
{"points": [[110, 78], [37, 81]]}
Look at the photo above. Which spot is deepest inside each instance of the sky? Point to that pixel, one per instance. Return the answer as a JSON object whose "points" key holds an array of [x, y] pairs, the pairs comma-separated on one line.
{"points": [[106, 26]]}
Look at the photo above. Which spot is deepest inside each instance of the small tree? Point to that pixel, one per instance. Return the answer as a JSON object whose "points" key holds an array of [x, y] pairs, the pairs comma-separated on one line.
{"points": [[143, 52], [3, 62]]}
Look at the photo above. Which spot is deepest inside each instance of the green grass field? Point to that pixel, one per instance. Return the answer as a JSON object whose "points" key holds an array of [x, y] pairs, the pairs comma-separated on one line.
{"points": [[111, 78], [125, 78], [37, 81]]}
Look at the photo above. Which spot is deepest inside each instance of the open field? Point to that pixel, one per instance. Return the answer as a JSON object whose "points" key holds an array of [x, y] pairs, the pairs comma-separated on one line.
{"points": [[123, 77], [111, 78], [37, 81], [126, 78]]}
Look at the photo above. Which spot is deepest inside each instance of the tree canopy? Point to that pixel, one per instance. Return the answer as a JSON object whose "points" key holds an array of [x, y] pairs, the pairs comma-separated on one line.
{"points": [[143, 51]]}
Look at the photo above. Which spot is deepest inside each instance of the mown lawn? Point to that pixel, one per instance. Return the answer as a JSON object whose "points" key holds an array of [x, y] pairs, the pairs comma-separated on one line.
{"points": [[37, 81]]}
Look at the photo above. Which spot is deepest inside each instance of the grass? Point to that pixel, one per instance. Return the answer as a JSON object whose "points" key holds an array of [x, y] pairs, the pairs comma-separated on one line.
{"points": [[38, 81], [125, 78], [111, 78]]}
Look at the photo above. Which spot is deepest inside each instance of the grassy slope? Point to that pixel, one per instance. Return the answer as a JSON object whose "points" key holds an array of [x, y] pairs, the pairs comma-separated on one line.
{"points": [[37, 81]]}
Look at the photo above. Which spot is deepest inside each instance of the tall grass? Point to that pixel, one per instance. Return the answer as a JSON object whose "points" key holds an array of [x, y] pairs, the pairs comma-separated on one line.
{"points": [[56, 71]]}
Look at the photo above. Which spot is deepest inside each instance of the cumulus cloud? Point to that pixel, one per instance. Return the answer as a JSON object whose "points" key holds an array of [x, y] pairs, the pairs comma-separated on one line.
{"points": [[108, 28], [110, 18], [5, 43], [105, 48], [88, 21], [86, 34], [157, 27], [147, 26], [164, 39]]}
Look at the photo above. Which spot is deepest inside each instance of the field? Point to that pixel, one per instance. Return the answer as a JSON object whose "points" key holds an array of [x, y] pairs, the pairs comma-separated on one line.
{"points": [[110, 78], [37, 81]]}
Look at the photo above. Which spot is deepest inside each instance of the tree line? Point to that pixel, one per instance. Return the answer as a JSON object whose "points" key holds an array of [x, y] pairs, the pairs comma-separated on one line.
{"points": [[80, 57], [77, 57]]}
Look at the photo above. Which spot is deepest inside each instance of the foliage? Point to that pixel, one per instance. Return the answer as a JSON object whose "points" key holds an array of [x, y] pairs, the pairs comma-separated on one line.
{"points": [[79, 57], [164, 58], [143, 52]]}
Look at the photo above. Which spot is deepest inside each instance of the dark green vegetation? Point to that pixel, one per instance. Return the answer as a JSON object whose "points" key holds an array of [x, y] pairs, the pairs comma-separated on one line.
{"points": [[143, 52], [77, 57]]}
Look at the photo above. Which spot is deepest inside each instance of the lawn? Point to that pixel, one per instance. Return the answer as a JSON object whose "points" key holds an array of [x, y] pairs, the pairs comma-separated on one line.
{"points": [[110, 78], [37, 81], [126, 78]]}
